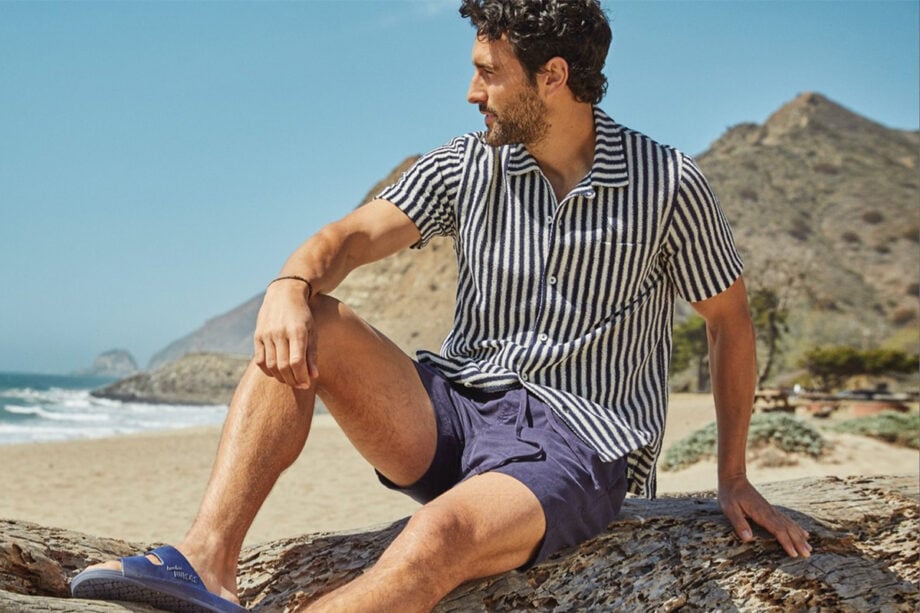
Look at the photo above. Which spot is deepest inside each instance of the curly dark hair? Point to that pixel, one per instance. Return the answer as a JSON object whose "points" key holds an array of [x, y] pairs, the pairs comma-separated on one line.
{"points": [[539, 30]]}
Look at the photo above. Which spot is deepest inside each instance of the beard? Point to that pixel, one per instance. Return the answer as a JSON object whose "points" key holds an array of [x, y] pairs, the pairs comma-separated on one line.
{"points": [[523, 122]]}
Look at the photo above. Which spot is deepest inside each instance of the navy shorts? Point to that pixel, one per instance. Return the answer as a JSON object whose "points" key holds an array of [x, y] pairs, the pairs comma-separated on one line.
{"points": [[514, 433]]}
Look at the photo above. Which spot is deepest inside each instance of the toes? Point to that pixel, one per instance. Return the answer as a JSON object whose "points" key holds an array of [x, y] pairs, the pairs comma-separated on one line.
{"points": [[111, 565]]}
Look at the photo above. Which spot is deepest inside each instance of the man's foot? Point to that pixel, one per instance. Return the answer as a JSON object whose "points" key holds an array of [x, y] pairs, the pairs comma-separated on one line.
{"points": [[163, 578]]}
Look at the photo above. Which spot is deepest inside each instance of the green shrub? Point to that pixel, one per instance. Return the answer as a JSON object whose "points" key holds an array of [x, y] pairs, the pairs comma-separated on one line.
{"points": [[890, 426], [691, 449], [777, 429], [831, 366]]}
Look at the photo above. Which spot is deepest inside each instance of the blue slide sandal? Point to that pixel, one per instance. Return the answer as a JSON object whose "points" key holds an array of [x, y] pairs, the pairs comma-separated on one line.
{"points": [[172, 585]]}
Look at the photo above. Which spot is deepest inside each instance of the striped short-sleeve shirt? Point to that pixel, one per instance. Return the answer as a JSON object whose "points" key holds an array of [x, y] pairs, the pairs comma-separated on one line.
{"points": [[573, 300]]}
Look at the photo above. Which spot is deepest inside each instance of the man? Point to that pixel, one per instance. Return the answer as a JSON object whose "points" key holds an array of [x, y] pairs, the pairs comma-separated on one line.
{"points": [[547, 402]]}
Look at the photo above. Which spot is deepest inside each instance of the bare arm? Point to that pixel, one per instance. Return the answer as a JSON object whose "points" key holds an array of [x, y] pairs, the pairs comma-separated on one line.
{"points": [[283, 340], [734, 376]]}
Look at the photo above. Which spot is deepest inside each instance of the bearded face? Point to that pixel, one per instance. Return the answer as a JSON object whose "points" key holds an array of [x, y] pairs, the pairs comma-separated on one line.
{"points": [[519, 120]]}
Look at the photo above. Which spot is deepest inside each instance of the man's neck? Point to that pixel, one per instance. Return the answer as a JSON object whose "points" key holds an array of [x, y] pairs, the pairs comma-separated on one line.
{"points": [[566, 153]]}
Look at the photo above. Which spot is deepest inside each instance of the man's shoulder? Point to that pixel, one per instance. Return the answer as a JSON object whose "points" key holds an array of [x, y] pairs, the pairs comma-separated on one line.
{"points": [[625, 152], [607, 127], [462, 146]]}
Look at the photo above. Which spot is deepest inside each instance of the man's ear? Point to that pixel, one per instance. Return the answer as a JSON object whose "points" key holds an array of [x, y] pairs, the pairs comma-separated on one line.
{"points": [[555, 75]]}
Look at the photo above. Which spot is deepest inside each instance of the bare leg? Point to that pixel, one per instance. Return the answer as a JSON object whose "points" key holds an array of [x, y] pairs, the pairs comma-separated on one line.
{"points": [[265, 431], [372, 390], [488, 524]]}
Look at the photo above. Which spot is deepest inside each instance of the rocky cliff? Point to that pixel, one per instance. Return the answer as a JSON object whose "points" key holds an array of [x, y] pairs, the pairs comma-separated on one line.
{"points": [[195, 378]]}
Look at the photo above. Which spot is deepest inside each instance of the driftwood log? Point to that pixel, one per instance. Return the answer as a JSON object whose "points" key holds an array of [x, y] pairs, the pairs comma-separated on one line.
{"points": [[674, 553]]}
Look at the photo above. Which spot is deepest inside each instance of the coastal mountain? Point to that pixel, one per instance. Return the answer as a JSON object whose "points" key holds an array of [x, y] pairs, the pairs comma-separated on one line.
{"points": [[113, 363], [229, 333], [824, 206]]}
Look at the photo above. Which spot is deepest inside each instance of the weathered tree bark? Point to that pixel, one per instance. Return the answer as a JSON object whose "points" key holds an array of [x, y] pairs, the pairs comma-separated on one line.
{"points": [[663, 555]]}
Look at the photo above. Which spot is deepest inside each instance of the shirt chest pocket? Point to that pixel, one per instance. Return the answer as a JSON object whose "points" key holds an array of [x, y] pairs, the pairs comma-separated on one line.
{"points": [[604, 268]]}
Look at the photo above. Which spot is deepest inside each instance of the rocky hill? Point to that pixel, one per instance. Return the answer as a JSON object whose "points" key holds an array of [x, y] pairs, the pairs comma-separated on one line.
{"points": [[195, 378], [826, 209], [824, 204], [229, 333], [112, 363]]}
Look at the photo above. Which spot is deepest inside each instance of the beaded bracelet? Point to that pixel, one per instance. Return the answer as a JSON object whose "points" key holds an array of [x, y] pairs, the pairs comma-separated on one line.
{"points": [[297, 278]]}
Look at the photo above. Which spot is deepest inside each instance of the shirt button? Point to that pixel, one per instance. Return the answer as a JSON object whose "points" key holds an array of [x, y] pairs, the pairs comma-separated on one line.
{"points": [[552, 280], [544, 337], [524, 377]]}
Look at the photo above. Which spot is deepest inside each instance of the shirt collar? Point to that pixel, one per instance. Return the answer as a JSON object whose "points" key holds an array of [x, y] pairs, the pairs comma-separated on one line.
{"points": [[609, 168]]}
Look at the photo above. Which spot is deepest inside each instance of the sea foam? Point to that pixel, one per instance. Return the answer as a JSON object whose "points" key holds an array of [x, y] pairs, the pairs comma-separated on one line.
{"points": [[31, 410]]}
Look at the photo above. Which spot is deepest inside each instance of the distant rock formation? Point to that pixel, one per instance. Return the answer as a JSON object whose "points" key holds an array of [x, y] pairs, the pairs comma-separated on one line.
{"points": [[674, 553], [196, 378], [230, 333], [114, 363]]}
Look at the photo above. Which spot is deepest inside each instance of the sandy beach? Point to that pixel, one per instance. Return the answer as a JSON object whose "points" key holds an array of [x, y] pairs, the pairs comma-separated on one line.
{"points": [[146, 488]]}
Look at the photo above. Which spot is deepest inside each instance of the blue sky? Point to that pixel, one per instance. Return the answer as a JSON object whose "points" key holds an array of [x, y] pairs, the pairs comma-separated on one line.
{"points": [[160, 160]]}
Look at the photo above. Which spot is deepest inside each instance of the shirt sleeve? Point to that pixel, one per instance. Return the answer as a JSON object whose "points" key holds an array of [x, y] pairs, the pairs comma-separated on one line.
{"points": [[702, 258], [427, 192]]}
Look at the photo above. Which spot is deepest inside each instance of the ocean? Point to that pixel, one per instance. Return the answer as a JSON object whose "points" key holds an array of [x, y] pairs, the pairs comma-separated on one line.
{"points": [[40, 407]]}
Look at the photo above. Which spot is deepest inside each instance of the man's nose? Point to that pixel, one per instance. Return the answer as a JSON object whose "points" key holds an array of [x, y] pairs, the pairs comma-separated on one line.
{"points": [[476, 93]]}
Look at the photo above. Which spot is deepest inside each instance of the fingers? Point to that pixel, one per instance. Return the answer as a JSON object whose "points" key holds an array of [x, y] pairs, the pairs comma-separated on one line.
{"points": [[287, 361], [284, 341], [283, 356], [282, 368], [739, 506], [312, 369], [739, 523], [792, 537], [297, 370], [258, 354]]}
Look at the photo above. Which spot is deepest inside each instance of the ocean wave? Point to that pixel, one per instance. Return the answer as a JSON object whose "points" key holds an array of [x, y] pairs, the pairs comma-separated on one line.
{"points": [[53, 395], [43, 413], [54, 414]]}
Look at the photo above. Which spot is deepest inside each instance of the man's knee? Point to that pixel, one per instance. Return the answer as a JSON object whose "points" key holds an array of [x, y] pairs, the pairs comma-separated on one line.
{"points": [[329, 312], [337, 329], [439, 542], [450, 545], [257, 391], [324, 308], [440, 526]]}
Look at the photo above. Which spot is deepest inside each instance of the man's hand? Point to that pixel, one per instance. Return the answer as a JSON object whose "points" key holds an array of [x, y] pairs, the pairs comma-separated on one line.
{"points": [[285, 338], [740, 501]]}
